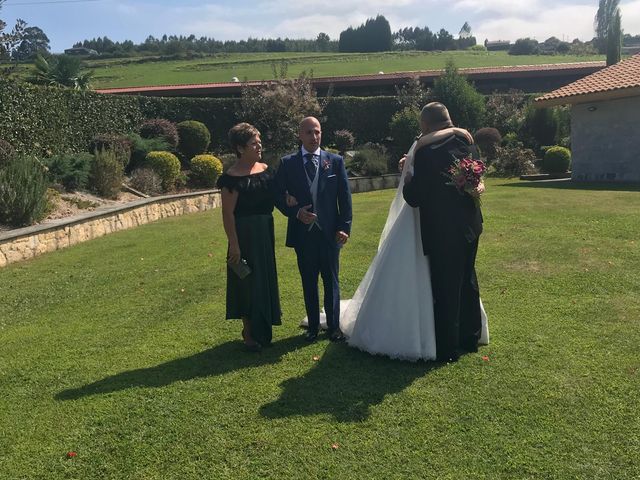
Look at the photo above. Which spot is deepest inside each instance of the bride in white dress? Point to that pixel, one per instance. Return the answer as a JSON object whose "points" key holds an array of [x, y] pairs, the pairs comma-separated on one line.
{"points": [[391, 312]]}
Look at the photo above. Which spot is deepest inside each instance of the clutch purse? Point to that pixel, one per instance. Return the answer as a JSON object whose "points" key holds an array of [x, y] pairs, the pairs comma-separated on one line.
{"points": [[241, 269]]}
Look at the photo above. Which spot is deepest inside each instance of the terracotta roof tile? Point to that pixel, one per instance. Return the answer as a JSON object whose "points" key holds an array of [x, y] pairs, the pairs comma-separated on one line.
{"points": [[616, 80]]}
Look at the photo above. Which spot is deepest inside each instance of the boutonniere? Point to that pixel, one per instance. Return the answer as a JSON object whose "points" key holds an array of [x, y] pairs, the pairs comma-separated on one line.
{"points": [[326, 164]]}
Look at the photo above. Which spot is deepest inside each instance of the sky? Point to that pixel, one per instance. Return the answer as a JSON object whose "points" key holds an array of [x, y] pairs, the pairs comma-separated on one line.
{"points": [[68, 21]]}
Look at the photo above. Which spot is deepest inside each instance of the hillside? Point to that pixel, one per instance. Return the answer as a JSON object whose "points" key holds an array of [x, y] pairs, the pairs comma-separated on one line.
{"points": [[255, 66]]}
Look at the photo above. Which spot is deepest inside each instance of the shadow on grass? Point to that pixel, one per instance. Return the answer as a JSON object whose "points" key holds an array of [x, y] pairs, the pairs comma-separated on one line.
{"points": [[224, 358], [571, 185], [345, 383]]}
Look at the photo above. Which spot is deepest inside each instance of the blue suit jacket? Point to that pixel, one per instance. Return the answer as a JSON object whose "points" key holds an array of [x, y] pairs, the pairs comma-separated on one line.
{"points": [[334, 196]]}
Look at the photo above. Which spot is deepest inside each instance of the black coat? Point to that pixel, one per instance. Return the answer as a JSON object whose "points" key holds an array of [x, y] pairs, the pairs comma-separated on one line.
{"points": [[447, 217]]}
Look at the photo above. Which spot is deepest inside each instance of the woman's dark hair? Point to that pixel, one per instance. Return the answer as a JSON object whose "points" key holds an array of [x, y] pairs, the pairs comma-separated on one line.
{"points": [[240, 135]]}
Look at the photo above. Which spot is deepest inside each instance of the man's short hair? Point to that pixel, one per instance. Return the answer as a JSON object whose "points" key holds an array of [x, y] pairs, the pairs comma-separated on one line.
{"points": [[435, 114]]}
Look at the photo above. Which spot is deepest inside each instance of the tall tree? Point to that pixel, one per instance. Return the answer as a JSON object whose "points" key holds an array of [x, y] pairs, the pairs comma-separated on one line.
{"points": [[372, 36], [614, 40], [445, 40], [465, 31], [465, 104], [322, 42], [9, 42], [34, 41], [604, 18]]}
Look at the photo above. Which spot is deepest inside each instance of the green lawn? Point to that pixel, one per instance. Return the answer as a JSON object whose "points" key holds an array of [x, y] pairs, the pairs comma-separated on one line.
{"points": [[117, 349], [255, 66]]}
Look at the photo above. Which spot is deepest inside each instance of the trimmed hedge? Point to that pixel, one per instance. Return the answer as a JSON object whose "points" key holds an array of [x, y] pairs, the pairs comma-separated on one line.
{"points": [[367, 118], [36, 119], [218, 114], [47, 120]]}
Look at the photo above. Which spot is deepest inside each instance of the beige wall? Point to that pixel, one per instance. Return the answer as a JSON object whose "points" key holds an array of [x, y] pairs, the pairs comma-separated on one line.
{"points": [[604, 140], [26, 243]]}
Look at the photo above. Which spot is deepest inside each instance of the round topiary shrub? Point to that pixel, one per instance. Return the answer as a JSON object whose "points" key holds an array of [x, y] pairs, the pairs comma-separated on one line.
{"points": [[205, 170], [344, 140], [160, 128], [118, 144], [166, 165], [194, 138], [488, 139], [556, 160]]}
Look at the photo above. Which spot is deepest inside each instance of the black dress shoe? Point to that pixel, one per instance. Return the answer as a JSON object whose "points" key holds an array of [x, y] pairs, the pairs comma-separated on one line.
{"points": [[311, 336], [450, 357], [253, 347], [337, 336]]}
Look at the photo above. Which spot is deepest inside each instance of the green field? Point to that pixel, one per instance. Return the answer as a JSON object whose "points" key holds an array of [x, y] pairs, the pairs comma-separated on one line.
{"points": [[254, 66], [117, 349]]}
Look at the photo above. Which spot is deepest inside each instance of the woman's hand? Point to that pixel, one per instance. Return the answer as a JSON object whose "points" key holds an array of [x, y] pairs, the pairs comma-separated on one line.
{"points": [[401, 163], [291, 200], [461, 132], [234, 253], [479, 190]]}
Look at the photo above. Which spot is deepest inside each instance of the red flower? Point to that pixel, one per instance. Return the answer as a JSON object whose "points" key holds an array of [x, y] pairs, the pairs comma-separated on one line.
{"points": [[71, 454], [466, 174]]}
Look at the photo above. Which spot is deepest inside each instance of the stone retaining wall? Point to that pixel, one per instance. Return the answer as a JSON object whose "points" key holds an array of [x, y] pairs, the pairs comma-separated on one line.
{"points": [[29, 242]]}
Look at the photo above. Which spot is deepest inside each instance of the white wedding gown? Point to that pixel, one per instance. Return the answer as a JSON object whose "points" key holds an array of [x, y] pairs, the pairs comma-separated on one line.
{"points": [[391, 312]]}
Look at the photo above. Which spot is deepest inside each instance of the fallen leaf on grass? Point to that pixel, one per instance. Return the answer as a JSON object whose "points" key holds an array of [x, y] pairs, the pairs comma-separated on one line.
{"points": [[335, 446], [316, 358]]}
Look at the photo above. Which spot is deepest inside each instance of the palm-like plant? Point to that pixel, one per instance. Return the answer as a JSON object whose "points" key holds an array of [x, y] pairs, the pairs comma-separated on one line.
{"points": [[63, 71]]}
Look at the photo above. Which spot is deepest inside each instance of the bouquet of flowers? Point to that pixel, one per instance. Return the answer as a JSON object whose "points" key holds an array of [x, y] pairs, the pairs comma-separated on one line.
{"points": [[466, 174]]}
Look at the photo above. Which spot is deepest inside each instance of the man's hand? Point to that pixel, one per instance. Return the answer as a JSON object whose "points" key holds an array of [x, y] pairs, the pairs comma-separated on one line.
{"points": [[341, 237], [401, 163], [305, 216]]}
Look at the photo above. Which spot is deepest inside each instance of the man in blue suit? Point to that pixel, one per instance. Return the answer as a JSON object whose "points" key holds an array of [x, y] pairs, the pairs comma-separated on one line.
{"points": [[319, 225]]}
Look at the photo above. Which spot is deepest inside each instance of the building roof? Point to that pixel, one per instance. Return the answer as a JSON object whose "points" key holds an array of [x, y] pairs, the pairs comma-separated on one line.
{"points": [[480, 73], [616, 81]]}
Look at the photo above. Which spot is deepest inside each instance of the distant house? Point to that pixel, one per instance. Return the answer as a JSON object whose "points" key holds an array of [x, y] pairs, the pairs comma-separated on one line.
{"points": [[81, 51], [630, 49], [497, 45], [605, 121]]}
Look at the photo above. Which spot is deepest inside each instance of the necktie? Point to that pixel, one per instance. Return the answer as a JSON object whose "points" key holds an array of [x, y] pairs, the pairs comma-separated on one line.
{"points": [[311, 165]]}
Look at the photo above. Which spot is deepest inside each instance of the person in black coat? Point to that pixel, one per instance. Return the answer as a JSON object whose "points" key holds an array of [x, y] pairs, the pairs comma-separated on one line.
{"points": [[450, 225]]}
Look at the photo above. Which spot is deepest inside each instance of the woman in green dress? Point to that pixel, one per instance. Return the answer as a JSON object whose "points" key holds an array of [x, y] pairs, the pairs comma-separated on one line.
{"points": [[247, 206]]}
